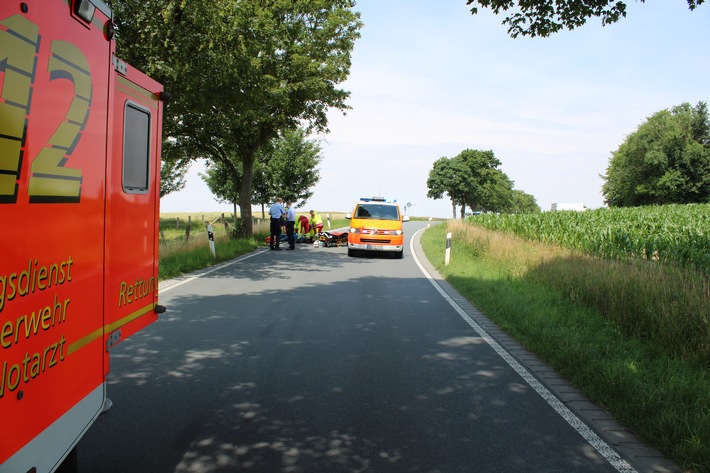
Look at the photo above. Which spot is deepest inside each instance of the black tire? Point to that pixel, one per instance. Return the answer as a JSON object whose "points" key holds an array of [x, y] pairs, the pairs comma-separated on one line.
{"points": [[351, 252], [399, 254]]}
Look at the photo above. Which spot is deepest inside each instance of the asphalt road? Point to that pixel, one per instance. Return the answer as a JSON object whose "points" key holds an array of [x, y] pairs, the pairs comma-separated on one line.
{"points": [[311, 361]]}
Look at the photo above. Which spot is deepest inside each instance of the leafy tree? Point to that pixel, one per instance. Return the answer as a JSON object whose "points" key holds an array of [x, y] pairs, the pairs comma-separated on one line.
{"points": [[473, 179], [291, 168], [172, 177], [220, 183], [488, 186], [241, 71], [498, 195], [285, 167], [451, 177], [544, 17], [523, 203], [666, 160], [495, 193]]}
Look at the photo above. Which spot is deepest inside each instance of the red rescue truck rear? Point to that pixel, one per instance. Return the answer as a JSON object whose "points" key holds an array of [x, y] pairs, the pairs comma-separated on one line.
{"points": [[80, 143]]}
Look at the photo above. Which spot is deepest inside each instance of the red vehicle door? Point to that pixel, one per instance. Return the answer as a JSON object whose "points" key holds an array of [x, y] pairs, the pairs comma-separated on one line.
{"points": [[132, 203]]}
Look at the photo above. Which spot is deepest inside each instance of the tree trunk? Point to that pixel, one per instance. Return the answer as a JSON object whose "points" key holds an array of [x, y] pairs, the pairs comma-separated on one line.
{"points": [[453, 208], [245, 196], [463, 211]]}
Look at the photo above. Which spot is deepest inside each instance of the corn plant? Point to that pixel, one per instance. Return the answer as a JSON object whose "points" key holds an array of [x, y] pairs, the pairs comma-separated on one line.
{"points": [[669, 233]]}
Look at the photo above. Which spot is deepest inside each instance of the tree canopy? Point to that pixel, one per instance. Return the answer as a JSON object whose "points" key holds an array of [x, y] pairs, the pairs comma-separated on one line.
{"points": [[522, 202], [451, 177], [290, 170], [544, 17], [473, 179], [286, 167], [172, 177], [240, 72], [665, 161], [488, 184]]}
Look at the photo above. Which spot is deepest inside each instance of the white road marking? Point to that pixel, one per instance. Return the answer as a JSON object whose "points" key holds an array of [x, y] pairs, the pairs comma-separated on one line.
{"points": [[177, 282], [577, 424]]}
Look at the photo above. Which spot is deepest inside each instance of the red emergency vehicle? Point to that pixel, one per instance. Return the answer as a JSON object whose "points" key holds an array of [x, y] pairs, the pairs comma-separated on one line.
{"points": [[80, 142]]}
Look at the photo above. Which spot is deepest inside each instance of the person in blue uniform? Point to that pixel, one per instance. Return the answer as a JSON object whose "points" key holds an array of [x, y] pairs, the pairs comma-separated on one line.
{"points": [[290, 224], [277, 211]]}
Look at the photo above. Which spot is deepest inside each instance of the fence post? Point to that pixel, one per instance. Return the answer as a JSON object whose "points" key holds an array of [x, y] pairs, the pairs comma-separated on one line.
{"points": [[447, 255], [187, 229], [226, 227]]}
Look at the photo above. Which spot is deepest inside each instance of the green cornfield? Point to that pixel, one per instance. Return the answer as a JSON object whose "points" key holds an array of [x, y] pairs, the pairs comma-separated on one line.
{"points": [[669, 233]]}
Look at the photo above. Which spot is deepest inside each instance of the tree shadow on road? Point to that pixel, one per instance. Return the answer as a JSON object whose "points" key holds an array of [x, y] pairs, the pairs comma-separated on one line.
{"points": [[379, 379]]}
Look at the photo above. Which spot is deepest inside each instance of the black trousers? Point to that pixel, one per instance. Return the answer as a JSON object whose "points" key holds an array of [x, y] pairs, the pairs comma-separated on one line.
{"points": [[289, 234], [275, 232]]}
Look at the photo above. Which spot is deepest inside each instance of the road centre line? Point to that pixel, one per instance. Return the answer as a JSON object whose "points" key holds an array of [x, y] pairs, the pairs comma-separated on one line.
{"points": [[577, 424]]}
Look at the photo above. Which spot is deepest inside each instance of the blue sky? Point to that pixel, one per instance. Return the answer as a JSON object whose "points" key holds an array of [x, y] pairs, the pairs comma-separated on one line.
{"points": [[428, 79]]}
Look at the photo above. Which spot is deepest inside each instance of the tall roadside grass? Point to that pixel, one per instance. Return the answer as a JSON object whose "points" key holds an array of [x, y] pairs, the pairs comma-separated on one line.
{"points": [[632, 334]]}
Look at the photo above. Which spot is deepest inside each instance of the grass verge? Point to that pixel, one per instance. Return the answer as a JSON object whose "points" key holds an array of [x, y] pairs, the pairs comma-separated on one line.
{"points": [[191, 256], [585, 317]]}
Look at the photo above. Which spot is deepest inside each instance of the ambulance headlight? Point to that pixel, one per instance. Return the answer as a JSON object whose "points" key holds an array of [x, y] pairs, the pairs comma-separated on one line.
{"points": [[397, 232], [84, 9], [354, 230]]}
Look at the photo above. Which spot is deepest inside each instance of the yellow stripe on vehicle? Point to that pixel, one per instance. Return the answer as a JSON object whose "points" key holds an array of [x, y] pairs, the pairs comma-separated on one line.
{"points": [[99, 332]]}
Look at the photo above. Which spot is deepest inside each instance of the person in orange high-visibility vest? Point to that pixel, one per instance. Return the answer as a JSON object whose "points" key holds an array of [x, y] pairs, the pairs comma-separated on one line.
{"points": [[316, 224]]}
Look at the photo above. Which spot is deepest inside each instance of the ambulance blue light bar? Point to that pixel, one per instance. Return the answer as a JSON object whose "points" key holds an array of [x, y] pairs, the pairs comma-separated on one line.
{"points": [[377, 199]]}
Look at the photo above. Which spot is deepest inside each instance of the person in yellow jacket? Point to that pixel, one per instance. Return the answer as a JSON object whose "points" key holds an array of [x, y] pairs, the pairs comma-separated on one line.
{"points": [[316, 224]]}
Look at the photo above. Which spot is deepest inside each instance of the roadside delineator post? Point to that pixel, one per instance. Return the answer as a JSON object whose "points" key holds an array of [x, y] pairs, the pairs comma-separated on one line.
{"points": [[210, 233], [210, 236], [447, 255]]}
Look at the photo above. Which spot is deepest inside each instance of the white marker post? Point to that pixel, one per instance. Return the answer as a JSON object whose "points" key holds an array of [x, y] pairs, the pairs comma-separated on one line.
{"points": [[327, 216], [447, 255], [210, 235]]}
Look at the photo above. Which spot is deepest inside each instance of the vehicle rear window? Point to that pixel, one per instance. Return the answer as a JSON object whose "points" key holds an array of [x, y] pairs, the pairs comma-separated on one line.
{"points": [[136, 149]]}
